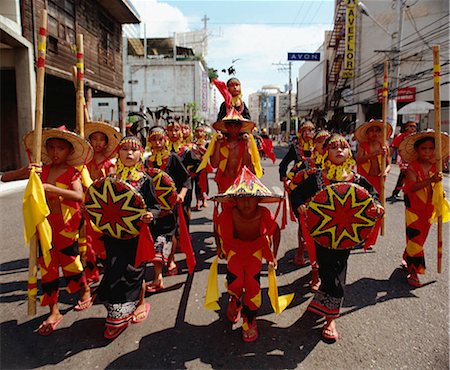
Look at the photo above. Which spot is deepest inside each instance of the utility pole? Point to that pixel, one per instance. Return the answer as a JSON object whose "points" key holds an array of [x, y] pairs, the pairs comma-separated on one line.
{"points": [[288, 67], [288, 125], [396, 49], [205, 19]]}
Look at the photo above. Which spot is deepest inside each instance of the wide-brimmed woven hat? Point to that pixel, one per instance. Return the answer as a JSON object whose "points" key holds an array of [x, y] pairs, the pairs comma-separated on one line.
{"points": [[234, 117], [409, 154], [82, 153], [247, 185], [111, 133], [361, 131]]}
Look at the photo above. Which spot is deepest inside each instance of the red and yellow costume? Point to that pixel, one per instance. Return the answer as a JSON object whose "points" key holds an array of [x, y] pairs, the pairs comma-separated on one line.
{"points": [[364, 168], [244, 258], [418, 214], [65, 242]]}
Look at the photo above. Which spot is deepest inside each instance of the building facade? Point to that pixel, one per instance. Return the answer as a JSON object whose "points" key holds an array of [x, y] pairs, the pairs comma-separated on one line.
{"points": [[159, 73], [347, 91], [100, 23]]}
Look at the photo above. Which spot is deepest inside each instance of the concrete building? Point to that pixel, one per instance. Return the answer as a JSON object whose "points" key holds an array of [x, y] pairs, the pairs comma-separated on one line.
{"points": [[344, 95], [269, 108], [159, 72], [100, 23]]}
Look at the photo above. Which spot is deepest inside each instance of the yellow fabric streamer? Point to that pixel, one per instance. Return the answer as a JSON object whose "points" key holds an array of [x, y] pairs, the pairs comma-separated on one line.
{"points": [[208, 153], [441, 205], [212, 290], [278, 303], [256, 160], [35, 212]]}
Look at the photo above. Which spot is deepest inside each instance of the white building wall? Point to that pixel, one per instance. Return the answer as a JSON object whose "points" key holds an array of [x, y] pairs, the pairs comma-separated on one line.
{"points": [[426, 16], [311, 85]]}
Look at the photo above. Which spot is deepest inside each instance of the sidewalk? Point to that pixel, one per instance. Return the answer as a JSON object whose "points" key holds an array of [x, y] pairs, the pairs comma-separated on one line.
{"points": [[12, 187]]}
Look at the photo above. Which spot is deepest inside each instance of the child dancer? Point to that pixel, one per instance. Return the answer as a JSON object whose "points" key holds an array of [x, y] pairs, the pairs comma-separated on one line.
{"points": [[300, 150], [246, 233], [122, 288], [371, 150], [332, 262], [297, 175], [105, 141], [163, 230], [61, 151], [421, 178]]}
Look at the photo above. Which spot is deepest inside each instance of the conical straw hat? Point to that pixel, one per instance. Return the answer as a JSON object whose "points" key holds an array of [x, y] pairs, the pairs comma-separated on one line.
{"points": [[248, 185], [82, 153], [409, 154], [112, 134]]}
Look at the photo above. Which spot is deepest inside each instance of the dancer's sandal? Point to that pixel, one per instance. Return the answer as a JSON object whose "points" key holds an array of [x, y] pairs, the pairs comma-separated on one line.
{"points": [[47, 328], [84, 305], [142, 315], [172, 271], [413, 280], [314, 286], [154, 287], [114, 327], [329, 334], [249, 331]]}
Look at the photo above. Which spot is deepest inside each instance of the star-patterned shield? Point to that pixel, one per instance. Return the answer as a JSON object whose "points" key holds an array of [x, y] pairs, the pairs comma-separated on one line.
{"points": [[341, 216], [115, 207], [166, 191]]}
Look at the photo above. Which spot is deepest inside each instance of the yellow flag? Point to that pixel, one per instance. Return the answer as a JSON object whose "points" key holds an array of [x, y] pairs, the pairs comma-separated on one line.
{"points": [[212, 291], [35, 212], [278, 303], [208, 153], [256, 160], [85, 177], [441, 205]]}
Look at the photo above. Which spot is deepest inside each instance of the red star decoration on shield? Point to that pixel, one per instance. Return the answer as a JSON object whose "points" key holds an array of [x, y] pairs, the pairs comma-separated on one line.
{"points": [[342, 221], [115, 208]]}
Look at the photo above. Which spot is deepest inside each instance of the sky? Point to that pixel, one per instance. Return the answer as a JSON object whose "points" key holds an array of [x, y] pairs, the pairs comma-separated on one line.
{"points": [[256, 35]]}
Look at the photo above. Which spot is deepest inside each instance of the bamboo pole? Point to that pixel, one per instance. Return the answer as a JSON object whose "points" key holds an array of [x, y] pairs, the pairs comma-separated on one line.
{"points": [[383, 138], [87, 117], [80, 103], [437, 141], [36, 155]]}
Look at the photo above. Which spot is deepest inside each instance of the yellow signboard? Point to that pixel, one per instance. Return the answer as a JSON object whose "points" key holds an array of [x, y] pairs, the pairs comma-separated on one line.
{"points": [[349, 60]]}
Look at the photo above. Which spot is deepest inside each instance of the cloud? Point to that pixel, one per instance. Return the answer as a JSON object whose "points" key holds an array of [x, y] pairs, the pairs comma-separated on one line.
{"points": [[259, 47], [161, 19]]}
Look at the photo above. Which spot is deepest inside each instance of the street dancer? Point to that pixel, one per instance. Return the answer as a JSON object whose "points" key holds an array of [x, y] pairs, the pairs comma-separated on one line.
{"points": [[299, 173], [105, 141], [332, 260], [122, 288], [410, 129], [248, 233], [164, 229], [299, 150], [62, 150], [421, 178]]}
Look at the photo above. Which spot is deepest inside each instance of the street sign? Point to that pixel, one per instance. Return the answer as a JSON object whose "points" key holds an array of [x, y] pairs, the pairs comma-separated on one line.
{"points": [[313, 57], [404, 94]]}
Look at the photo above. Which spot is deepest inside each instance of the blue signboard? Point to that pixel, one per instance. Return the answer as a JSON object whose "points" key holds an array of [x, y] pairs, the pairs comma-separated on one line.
{"points": [[313, 57]]}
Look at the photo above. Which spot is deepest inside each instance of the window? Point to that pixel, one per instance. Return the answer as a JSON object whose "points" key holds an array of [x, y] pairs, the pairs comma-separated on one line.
{"points": [[103, 104], [131, 103], [61, 20], [106, 44]]}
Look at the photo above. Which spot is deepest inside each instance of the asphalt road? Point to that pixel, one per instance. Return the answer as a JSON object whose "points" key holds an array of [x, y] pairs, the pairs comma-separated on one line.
{"points": [[385, 324]]}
